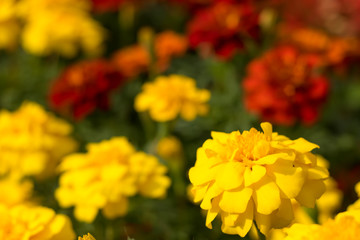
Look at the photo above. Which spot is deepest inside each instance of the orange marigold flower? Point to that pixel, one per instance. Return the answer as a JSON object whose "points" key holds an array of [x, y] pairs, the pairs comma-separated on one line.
{"points": [[168, 44], [83, 87], [283, 86], [223, 26], [131, 61]]}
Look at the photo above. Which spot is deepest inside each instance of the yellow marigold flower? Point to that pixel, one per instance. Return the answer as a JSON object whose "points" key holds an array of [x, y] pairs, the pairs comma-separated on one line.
{"points": [[32, 141], [169, 148], [346, 225], [87, 237], [105, 176], [74, 28], [40, 223], [17, 191], [253, 176], [9, 25], [168, 97]]}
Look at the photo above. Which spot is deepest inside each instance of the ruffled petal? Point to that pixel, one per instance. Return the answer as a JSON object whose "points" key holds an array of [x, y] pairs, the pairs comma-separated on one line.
{"points": [[235, 201], [266, 195]]}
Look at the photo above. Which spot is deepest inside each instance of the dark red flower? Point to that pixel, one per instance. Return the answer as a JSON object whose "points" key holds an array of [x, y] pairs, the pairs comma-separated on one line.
{"points": [[106, 5], [83, 87], [283, 86], [223, 26]]}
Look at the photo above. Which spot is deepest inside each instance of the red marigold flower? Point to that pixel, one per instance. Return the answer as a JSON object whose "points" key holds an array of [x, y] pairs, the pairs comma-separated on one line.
{"points": [[83, 87], [282, 86], [223, 26]]}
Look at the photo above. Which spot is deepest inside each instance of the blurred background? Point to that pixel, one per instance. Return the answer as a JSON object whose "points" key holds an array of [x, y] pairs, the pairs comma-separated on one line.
{"points": [[294, 64]]}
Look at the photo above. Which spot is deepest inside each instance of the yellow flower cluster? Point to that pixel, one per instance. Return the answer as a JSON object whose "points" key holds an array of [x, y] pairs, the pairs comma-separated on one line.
{"points": [[105, 176], [61, 27], [17, 191], [50, 26], [40, 223], [346, 225], [32, 141], [168, 97], [87, 237], [254, 176], [9, 26]]}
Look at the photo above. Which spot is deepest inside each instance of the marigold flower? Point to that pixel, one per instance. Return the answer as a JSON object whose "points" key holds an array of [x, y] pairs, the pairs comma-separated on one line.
{"points": [[41, 223], [169, 148], [332, 50], [87, 237], [17, 191], [253, 176], [33, 141], [346, 225], [168, 97], [9, 25], [223, 26], [283, 86], [135, 59], [168, 44], [131, 61], [83, 87], [75, 29], [105, 176]]}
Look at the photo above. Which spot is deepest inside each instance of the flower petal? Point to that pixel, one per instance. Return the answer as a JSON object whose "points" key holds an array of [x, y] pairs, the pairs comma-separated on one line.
{"points": [[230, 175], [312, 190], [253, 175], [235, 201], [302, 145], [266, 195], [267, 128], [287, 177]]}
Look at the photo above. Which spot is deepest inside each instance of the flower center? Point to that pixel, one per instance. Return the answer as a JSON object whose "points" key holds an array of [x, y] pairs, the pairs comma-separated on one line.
{"points": [[250, 146]]}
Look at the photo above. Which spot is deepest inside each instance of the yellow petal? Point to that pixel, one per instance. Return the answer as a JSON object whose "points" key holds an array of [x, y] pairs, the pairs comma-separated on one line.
{"points": [[263, 222], [235, 201], [212, 212], [199, 192], [266, 195], [201, 175], [284, 216], [272, 158], [220, 136], [213, 191], [302, 145], [318, 172], [312, 190], [230, 175], [287, 177], [267, 128], [253, 175], [243, 222]]}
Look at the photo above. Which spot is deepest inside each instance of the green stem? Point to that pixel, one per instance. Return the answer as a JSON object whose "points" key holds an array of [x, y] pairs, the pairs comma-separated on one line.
{"points": [[110, 230]]}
